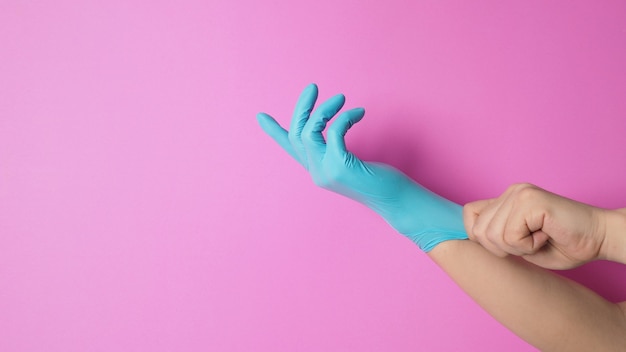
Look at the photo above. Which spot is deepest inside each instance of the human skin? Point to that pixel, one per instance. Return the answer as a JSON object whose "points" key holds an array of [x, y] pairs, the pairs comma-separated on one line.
{"points": [[548, 311], [546, 229]]}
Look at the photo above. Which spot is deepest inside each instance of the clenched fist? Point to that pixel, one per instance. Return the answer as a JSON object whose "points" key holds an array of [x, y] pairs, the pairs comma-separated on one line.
{"points": [[546, 229]]}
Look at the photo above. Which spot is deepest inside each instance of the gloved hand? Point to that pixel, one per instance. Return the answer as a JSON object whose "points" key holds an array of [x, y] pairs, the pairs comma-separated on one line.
{"points": [[424, 217]]}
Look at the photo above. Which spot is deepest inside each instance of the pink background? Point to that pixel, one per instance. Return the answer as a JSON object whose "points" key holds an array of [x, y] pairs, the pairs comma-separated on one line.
{"points": [[142, 208]]}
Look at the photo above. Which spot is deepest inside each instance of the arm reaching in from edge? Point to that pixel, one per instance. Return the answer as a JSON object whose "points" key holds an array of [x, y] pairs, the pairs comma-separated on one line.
{"points": [[546, 310]]}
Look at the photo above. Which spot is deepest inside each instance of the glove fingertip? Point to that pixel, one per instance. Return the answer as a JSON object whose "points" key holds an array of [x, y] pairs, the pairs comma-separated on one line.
{"points": [[262, 117], [273, 129], [267, 123], [358, 114], [311, 87]]}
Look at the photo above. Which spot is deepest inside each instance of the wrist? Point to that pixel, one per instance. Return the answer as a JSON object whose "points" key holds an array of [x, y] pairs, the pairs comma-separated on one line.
{"points": [[614, 244]]}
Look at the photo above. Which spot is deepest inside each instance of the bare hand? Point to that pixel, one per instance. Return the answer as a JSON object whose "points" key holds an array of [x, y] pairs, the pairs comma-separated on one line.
{"points": [[546, 229]]}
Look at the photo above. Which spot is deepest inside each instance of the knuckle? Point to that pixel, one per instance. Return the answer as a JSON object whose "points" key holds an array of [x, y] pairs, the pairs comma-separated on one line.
{"points": [[517, 187], [478, 233], [511, 189], [492, 234], [512, 244], [517, 242], [527, 193], [522, 185]]}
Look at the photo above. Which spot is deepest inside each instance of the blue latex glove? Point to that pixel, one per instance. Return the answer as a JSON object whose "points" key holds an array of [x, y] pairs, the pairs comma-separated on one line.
{"points": [[424, 217]]}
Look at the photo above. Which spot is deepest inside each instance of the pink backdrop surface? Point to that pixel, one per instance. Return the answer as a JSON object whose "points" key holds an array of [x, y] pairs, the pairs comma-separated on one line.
{"points": [[142, 208]]}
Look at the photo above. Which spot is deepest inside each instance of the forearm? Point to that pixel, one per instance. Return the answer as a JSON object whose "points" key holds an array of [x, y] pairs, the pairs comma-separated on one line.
{"points": [[614, 246], [546, 310]]}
